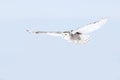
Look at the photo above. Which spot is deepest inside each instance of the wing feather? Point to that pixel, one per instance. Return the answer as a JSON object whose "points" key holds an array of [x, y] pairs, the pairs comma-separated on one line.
{"points": [[44, 32], [91, 27]]}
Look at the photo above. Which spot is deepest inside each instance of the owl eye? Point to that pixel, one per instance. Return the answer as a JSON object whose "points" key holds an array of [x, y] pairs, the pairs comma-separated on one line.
{"points": [[65, 34]]}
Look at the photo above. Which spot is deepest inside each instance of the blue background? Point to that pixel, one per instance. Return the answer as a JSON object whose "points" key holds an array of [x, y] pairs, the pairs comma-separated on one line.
{"points": [[25, 56]]}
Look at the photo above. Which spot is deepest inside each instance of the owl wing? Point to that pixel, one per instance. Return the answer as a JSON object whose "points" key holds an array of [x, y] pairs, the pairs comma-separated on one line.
{"points": [[45, 32], [91, 27]]}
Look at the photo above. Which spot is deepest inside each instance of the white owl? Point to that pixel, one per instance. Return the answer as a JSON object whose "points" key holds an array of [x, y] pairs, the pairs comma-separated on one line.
{"points": [[80, 35]]}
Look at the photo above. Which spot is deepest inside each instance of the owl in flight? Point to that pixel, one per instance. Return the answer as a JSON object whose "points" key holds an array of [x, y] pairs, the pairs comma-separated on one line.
{"points": [[80, 35]]}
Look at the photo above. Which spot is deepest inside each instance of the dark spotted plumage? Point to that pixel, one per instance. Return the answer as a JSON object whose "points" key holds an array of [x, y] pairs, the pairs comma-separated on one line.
{"points": [[75, 36]]}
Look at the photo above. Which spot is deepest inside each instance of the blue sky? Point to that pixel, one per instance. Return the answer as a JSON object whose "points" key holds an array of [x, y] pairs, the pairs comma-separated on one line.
{"points": [[25, 56]]}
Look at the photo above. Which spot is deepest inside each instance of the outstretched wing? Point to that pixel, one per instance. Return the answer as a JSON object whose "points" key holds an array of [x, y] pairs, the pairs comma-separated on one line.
{"points": [[91, 27], [44, 32]]}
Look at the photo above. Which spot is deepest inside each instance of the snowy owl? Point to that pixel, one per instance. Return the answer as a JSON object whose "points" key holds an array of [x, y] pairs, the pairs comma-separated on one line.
{"points": [[80, 35]]}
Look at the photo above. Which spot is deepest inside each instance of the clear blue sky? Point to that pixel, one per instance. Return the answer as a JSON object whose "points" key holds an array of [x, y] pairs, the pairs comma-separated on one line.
{"points": [[25, 56]]}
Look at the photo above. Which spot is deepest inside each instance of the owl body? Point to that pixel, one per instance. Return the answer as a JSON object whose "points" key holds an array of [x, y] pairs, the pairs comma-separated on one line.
{"points": [[80, 35]]}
